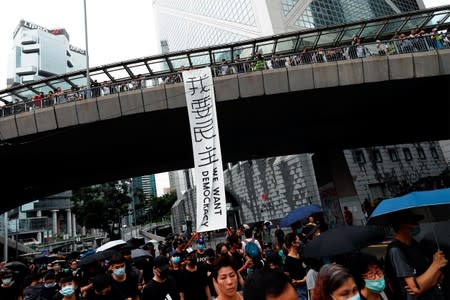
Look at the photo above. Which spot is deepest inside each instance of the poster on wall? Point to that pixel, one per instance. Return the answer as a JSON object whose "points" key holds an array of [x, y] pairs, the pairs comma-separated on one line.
{"points": [[211, 212]]}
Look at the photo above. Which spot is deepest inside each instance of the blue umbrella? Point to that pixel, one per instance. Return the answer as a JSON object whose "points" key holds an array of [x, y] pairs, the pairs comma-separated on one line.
{"points": [[299, 214], [433, 205]]}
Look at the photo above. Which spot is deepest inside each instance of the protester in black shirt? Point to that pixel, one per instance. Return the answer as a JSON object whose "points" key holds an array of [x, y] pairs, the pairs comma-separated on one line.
{"points": [[293, 265], [126, 285], [194, 281], [50, 286], [102, 289], [161, 284], [9, 289]]}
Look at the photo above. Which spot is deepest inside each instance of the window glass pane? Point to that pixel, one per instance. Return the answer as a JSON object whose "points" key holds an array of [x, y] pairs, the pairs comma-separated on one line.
{"points": [[436, 19], [286, 44], [138, 69], [220, 54], [158, 66], [179, 61], [62, 84], [265, 48], [117, 73], [414, 23], [200, 59], [307, 41], [371, 29], [328, 37], [244, 51], [392, 27], [350, 32]]}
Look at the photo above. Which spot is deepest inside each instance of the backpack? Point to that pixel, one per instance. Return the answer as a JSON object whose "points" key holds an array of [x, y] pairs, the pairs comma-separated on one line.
{"points": [[251, 249]]}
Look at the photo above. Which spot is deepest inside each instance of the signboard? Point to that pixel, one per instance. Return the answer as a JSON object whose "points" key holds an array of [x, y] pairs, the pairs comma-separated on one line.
{"points": [[211, 211]]}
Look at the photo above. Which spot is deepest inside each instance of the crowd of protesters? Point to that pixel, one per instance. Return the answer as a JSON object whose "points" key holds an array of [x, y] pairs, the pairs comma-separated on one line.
{"points": [[252, 263], [416, 41]]}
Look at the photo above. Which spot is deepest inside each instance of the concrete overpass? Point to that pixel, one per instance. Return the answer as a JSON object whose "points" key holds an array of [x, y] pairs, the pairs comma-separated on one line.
{"points": [[336, 105], [368, 102]]}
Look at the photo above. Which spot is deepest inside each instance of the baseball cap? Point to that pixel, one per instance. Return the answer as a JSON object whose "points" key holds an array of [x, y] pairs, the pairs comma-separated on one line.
{"points": [[246, 226], [210, 253], [162, 263]]}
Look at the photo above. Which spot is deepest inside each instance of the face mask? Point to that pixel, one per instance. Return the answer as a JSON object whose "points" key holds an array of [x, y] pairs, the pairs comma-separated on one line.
{"points": [[119, 272], [375, 286], [175, 260], [7, 281], [50, 285], [415, 230], [201, 247], [67, 291], [356, 297]]}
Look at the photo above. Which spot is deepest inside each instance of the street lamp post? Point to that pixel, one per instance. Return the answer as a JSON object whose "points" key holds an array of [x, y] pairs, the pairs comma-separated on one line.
{"points": [[87, 52], [5, 243]]}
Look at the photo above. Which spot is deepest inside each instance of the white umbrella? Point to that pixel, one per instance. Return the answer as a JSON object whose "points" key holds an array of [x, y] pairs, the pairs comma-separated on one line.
{"points": [[111, 244]]}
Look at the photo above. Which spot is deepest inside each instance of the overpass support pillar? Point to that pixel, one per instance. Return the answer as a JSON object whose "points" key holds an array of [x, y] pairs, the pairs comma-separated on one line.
{"points": [[74, 225], [55, 222], [39, 234], [69, 222], [336, 187]]}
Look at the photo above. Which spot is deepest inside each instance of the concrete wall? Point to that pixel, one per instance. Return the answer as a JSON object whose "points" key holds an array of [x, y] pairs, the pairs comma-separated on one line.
{"points": [[287, 181], [373, 179]]}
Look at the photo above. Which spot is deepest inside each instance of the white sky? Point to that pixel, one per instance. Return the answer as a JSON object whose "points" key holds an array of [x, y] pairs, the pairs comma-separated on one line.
{"points": [[117, 30]]}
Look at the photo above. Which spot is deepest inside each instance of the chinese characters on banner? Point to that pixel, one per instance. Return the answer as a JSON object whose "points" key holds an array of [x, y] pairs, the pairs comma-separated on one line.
{"points": [[201, 104]]}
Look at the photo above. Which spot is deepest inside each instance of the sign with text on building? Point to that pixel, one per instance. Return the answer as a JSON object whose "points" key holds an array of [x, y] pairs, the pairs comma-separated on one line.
{"points": [[211, 205]]}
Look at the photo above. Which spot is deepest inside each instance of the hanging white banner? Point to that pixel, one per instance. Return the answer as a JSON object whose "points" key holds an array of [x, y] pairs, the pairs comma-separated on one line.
{"points": [[210, 189]]}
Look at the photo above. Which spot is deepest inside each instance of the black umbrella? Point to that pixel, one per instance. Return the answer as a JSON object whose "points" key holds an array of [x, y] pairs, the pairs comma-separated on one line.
{"points": [[138, 253], [341, 240], [134, 243], [97, 256], [17, 266], [436, 234]]}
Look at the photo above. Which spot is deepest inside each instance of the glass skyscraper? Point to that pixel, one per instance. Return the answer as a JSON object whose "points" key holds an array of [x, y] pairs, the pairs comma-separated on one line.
{"points": [[39, 52], [187, 24], [147, 184]]}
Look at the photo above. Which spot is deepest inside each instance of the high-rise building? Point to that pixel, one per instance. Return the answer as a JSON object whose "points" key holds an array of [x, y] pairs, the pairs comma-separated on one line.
{"points": [[190, 24], [39, 52], [181, 181], [146, 184]]}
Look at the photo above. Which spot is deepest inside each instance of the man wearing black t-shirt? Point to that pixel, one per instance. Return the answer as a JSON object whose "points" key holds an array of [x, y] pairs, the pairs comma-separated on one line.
{"points": [[194, 281], [413, 274], [123, 282], [161, 284], [293, 266]]}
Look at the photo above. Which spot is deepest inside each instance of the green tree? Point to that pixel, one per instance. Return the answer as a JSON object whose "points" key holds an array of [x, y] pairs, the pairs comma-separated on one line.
{"points": [[163, 204], [157, 208], [102, 206]]}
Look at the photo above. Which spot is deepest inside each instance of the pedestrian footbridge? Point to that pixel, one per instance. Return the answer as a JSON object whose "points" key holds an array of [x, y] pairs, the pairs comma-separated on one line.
{"points": [[316, 89]]}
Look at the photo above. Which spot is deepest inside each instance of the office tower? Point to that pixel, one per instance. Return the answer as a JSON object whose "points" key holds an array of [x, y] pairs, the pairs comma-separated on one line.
{"points": [[39, 52], [191, 24]]}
